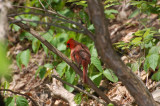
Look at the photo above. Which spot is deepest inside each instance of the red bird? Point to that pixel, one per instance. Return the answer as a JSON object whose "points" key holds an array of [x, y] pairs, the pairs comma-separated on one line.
{"points": [[81, 55]]}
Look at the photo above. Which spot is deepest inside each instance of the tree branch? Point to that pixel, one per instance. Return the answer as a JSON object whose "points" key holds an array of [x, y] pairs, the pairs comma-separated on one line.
{"points": [[110, 58], [28, 97], [65, 58]]}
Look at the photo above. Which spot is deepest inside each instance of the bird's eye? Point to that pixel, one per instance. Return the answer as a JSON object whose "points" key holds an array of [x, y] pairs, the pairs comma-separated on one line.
{"points": [[68, 44]]}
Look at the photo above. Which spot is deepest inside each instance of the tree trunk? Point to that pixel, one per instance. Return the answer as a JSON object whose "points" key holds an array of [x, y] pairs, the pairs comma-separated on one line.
{"points": [[113, 61]]}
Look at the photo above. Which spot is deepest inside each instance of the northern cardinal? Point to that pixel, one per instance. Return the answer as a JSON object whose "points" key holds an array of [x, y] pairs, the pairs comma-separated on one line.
{"points": [[81, 55]]}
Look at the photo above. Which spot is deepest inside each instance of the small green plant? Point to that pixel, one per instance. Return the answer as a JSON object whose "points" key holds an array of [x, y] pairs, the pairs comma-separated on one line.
{"points": [[145, 40], [110, 12], [15, 99]]}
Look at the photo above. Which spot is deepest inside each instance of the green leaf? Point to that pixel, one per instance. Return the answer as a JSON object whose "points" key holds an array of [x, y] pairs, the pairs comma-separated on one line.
{"points": [[35, 44], [110, 11], [45, 48], [72, 75], [154, 50], [134, 66], [15, 27], [148, 45], [26, 35], [56, 1], [153, 61], [146, 33], [91, 27], [18, 60], [134, 13], [4, 61], [93, 52], [156, 76], [42, 72], [6, 85], [81, 3], [9, 101], [48, 36], [97, 63], [60, 68], [25, 56], [136, 40], [69, 77], [78, 98], [37, 71], [96, 78], [110, 104], [21, 101], [61, 47], [139, 33], [48, 65], [34, 18], [110, 75], [70, 89], [146, 65]]}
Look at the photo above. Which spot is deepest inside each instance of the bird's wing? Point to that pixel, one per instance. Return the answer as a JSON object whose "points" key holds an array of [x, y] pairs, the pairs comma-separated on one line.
{"points": [[85, 55], [76, 57], [86, 49]]}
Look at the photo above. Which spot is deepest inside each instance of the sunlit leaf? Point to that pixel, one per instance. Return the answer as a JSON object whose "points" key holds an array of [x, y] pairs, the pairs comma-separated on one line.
{"points": [[60, 68], [21, 101], [4, 61], [9, 101], [96, 78], [110, 75], [134, 13], [136, 40], [156, 76], [97, 63], [146, 65], [35, 45], [78, 98], [153, 61], [48, 36], [25, 56], [146, 33], [134, 66], [69, 76], [154, 50], [45, 48], [48, 65]]}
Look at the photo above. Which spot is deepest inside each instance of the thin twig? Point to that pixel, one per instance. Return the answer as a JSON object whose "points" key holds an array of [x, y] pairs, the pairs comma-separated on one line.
{"points": [[35, 8], [49, 24], [75, 87], [42, 4], [28, 97], [87, 32]]}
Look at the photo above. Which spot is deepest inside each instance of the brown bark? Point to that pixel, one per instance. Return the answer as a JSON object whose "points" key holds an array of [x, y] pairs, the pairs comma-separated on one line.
{"points": [[109, 56]]}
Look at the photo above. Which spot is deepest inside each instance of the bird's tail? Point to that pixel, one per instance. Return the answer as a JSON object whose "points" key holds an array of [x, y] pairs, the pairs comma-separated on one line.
{"points": [[84, 76], [85, 67]]}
